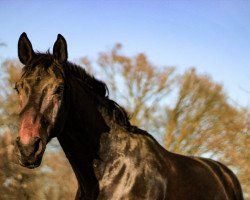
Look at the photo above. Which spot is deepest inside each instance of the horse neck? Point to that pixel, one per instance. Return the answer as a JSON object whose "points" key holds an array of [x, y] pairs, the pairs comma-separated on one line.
{"points": [[80, 138]]}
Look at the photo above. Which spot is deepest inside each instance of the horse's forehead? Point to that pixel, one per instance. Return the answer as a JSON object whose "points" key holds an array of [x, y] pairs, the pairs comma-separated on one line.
{"points": [[39, 74]]}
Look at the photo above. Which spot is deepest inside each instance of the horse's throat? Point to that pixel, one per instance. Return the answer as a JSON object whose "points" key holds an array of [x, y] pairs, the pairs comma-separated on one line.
{"points": [[82, 166]]}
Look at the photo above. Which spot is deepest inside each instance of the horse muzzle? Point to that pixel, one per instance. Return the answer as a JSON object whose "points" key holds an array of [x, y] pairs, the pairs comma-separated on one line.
{"points": [[30, 155]]}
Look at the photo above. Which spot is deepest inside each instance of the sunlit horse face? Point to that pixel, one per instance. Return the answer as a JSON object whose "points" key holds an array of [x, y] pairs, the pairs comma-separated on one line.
{"points": [[41, 97]]}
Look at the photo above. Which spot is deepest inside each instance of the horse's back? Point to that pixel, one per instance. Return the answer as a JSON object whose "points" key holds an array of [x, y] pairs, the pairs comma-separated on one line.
{"points": [[201, 178], [228, 178]]}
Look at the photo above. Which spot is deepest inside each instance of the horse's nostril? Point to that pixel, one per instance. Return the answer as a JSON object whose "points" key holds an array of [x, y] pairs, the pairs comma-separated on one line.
{"points": [[17, 139], [17, 142], [37, 144]]}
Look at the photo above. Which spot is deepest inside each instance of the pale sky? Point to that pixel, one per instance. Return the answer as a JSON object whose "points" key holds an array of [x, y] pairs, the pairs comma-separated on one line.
{"points": [[213, 36]]}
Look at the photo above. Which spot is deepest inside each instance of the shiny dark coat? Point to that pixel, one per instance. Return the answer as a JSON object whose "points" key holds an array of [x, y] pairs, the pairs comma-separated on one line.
{"points": [[115, 160], [112, 159]]}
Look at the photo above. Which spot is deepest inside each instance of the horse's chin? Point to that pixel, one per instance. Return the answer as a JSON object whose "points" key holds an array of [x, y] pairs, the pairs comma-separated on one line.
{"points": [[30, 166]]}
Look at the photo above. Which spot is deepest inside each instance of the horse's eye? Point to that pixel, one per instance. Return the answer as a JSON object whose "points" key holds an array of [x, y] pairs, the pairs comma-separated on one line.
{"points": [[58, 90]]}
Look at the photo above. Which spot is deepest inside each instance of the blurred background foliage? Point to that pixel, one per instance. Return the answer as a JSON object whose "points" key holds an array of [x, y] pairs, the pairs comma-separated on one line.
{"points": [[188, 113]]}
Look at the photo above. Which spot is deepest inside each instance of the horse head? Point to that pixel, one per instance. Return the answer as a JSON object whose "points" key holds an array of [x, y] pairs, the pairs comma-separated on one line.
{"points": [[41, 90]]}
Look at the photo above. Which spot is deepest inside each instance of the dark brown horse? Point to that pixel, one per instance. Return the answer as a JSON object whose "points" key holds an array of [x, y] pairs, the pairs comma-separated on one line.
{"points": [[111, 158]]}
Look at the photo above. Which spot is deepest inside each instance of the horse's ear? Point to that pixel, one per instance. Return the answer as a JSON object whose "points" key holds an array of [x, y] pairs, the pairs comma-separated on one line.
{"points": [[25, 50], [60, 51]]}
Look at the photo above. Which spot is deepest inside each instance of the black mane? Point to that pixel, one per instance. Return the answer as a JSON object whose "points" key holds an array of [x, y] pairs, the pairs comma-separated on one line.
{"points": [[98, 87]]}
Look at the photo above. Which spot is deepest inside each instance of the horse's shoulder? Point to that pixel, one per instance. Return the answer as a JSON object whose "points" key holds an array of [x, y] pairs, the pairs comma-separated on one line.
{"points": [[133, 168]]}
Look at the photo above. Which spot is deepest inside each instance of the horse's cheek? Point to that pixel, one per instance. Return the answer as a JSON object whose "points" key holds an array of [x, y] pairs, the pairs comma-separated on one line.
{"points": [[56, 105]]}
